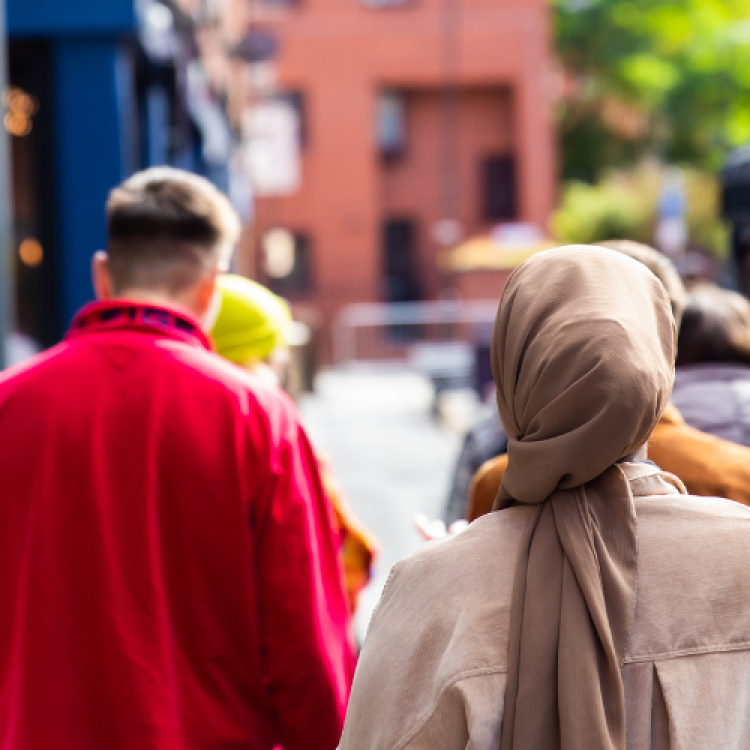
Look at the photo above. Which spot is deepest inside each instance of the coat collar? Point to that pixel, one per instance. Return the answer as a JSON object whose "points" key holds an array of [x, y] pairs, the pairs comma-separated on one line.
{"points": [[159, 320]]}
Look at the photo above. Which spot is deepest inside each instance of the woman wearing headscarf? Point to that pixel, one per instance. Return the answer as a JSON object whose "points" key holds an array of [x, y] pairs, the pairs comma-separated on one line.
{"points": [[702, 446], [703, 436], [599, 606]]}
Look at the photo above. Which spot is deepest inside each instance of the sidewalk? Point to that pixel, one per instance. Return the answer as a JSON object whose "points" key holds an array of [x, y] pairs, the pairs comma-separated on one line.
{"points": [[391, 457]]}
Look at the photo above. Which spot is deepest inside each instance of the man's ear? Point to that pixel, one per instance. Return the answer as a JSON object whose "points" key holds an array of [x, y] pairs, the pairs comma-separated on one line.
{"points": [[207, 298], [100, 277]]}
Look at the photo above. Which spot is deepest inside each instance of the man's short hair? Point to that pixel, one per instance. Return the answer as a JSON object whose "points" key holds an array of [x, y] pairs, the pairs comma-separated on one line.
{"points": [[166, 228]]}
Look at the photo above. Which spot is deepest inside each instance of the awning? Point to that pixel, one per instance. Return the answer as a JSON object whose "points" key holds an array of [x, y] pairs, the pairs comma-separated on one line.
{"points": [[485, 253]]}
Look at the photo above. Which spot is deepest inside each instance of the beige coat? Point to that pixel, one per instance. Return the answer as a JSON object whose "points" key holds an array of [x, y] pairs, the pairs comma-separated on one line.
{"points": [[432, 673]]}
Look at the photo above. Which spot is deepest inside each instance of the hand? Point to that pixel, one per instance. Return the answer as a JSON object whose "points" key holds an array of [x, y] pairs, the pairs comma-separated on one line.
{"points": [[433, 530]]}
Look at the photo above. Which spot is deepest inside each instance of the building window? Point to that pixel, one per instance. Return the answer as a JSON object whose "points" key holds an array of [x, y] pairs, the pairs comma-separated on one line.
{"points": [[400, 282], [391, 123], [288, 262], [498, 188]]}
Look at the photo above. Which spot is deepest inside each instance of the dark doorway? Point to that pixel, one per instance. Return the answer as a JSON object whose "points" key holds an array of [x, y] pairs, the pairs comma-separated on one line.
{"points": [[498, 188], [400, 281]]}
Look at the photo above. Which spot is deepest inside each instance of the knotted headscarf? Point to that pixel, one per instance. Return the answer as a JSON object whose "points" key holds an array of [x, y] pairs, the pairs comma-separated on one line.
{"points": [[583, 358]]}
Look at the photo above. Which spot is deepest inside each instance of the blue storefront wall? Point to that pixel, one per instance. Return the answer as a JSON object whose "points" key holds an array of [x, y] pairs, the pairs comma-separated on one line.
{"points": [[94, 116], [93, 88], [57, 17]]}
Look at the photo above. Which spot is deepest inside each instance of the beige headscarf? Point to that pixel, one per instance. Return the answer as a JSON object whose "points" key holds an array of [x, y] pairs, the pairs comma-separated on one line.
{"points": [[583, 357]]}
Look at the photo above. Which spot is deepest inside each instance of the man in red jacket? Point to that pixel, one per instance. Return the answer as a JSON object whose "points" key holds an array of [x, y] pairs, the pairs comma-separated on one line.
{"points": [[168, 569]]}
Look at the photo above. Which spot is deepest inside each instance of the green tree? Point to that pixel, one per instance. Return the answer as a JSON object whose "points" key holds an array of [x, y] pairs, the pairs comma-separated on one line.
{"points": [[623, 205], [663, 78]]}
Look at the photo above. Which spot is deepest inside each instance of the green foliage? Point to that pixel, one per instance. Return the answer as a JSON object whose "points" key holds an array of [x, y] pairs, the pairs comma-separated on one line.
{"points": [[681, 68], [623, 205], [595, 213]]}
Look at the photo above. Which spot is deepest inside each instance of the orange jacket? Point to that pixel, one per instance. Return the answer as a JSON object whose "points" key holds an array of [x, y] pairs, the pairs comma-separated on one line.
{"points": [[358, 546], [707, 465]]}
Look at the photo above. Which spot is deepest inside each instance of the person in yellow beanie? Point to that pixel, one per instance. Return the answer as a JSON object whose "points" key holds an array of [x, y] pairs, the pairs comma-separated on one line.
{"points": [[254, 329]]}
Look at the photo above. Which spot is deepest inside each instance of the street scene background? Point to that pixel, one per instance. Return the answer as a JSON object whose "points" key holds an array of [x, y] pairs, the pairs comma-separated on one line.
{"points": [[392, 162], [393, 458]]}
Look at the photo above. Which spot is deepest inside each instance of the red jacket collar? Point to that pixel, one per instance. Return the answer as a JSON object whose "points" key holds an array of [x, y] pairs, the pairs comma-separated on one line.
{"points": [[160, 320]]}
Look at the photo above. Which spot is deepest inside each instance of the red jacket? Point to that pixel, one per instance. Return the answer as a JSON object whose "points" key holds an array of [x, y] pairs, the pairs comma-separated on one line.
{"points": [[168, 566]]}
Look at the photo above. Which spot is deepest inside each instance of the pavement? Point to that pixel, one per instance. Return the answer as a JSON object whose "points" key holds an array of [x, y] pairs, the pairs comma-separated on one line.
{"points": [[392, 457]]}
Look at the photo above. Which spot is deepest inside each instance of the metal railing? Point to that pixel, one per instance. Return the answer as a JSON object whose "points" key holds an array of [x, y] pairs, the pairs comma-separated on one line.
{"points": [[430, 336]]}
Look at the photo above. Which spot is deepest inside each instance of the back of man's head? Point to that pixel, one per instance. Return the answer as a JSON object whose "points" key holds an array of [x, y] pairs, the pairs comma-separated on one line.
{"points": [[167, 229]]}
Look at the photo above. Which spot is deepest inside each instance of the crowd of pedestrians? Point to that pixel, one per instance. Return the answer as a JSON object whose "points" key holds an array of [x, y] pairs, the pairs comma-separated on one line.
{"points": [[179, 568]]}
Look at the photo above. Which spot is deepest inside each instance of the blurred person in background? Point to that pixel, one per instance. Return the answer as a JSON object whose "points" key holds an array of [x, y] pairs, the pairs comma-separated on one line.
{"points": [[705, 462], [483, 442], [170, 575], [253, 329], [562, 623], [712, 382]]}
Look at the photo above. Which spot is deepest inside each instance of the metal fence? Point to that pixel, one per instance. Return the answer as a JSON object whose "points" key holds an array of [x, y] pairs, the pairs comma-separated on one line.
{"points": [[442, 339]]}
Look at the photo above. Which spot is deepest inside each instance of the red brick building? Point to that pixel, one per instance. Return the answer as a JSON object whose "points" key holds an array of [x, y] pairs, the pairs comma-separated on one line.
{"points": [[412, 113]]}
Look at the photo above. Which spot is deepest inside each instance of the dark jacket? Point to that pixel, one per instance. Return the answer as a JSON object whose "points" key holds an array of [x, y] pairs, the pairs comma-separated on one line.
{"points": [[483, 442]]}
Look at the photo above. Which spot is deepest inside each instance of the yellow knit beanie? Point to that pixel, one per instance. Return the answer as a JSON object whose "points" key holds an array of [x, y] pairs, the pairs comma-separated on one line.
{"points": [[252, 321]]}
